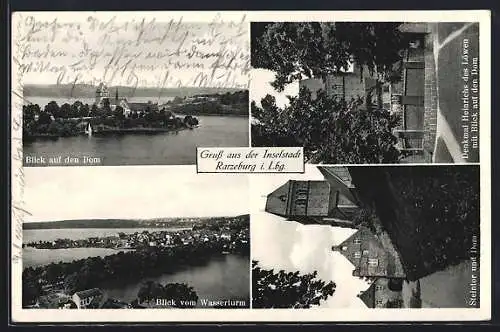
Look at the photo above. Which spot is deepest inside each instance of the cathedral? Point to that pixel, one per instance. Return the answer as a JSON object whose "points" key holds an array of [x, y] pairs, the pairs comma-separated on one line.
{"points": [[102, 94]]}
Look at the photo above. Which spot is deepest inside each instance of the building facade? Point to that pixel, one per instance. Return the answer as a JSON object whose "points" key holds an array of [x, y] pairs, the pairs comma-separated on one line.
{"points": [[90, 298], [413, 98], [369, 256], [384, 293], [101, 94], [310, 202]]}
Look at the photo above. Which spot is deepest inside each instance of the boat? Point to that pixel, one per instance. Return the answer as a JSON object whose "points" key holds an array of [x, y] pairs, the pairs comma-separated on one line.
{"points": [[88, 129]]}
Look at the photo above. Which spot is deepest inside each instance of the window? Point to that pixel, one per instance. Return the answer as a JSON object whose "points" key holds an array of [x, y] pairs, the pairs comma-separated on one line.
{"points": [[366, 252], [300, 201], [357, 254], [344, 248], [357, 241], [379, 303], [373, 262], [282, 198], [379, 287]]}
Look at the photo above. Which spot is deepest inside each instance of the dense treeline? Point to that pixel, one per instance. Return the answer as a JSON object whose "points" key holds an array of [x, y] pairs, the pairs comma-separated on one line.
{"points": [[124, 266], [131, 223], [213, 104], [66, 120], [180, 295], [282, 289], [431, 213]]}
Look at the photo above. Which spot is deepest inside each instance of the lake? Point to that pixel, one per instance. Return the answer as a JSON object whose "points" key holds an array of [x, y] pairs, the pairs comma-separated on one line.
{"points": [[170, 148], [225, 277], [38, 257]]}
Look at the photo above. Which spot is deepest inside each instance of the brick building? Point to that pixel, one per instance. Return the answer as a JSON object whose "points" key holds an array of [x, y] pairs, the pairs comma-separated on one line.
{"points": [[414, 98], [348, 85], [383, 293], [369, 256]]}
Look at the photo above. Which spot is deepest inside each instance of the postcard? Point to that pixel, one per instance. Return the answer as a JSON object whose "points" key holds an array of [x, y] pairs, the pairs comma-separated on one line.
{"points": [[250, 166]]}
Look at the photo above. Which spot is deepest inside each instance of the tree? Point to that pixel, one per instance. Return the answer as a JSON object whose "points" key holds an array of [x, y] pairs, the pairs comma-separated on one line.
{"points": [[52, 108], [44, 118], [29, 123], [30, 292], [331, 130], [55, 128], [183, 294], [287, 290], [106, 106], [149, 291], [118, 112], [94, 111], [319, 49], [76, 109], [72, 283], [84, 110], [65, 111]]}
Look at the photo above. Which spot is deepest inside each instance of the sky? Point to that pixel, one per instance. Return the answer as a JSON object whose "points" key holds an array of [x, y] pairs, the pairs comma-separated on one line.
{"points": [[260, 86], [281, 244], [60, 193]]}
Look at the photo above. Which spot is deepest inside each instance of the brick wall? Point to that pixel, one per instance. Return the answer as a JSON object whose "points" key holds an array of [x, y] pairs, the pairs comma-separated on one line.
{"points": [[430, 98], [313, 85]]}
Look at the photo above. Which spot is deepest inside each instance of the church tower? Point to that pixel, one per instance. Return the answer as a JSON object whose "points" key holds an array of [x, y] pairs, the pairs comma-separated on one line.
{"points": [[101, 93]]}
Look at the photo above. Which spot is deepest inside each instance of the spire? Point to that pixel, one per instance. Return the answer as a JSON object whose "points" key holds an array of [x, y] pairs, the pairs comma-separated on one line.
{"points": [[338, 247]]}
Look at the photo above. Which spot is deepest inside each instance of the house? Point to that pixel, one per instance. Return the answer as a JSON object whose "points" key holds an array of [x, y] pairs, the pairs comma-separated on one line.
{"points": [[316, 202], [369, 256], [383, 293], [413, 97], [225, 236], [90, 298], [350, 84]]}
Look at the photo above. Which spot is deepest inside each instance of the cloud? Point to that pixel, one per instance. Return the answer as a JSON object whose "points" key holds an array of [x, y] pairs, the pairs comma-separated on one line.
{"points": [[57, 193]]}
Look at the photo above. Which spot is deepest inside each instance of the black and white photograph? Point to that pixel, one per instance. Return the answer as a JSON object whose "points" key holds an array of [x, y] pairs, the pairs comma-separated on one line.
{"points": [[112, 90], [239, 166], [367, 92], [161, 239], [367, 237]]}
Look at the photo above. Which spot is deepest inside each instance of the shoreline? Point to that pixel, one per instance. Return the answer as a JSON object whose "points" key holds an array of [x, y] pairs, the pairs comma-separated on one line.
{"points": [[216, 114], [117, 131], [136, 131]]}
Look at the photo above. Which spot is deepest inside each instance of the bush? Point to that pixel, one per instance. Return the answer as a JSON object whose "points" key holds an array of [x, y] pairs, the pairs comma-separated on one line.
{"points": [[331, 130]]}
